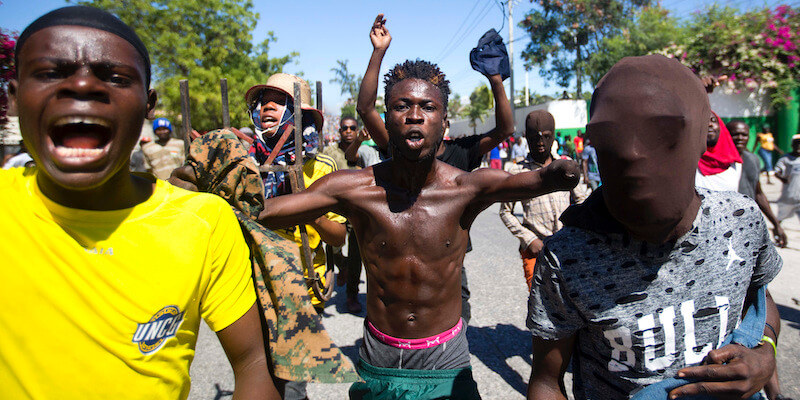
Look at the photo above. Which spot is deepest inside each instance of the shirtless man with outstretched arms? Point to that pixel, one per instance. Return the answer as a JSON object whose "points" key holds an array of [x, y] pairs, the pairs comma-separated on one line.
{"points": [[412, 215]]}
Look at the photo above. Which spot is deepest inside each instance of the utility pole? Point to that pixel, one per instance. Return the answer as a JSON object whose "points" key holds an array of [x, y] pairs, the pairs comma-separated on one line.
{"points": [[578, 92], [527, 91], [511, 57]]}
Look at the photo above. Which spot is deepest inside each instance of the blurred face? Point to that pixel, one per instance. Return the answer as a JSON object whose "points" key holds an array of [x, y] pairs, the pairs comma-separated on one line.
{"points": [[712, 136], [81, 100], [415, 119], [273, 104], [648, 145], [740, 133], [163, 133], [347, 130], [539, 142]]}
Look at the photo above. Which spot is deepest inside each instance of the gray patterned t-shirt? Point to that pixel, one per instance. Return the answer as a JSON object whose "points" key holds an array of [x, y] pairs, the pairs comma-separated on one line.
{"points": [[642, 311]]}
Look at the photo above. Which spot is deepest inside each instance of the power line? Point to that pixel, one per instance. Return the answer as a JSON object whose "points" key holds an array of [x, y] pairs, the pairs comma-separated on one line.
{"points": [[455, 34], [503, 12], [479, 16], [474, 24]]}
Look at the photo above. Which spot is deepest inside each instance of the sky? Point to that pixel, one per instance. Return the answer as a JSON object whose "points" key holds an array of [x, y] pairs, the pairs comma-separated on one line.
{"points": [[441, 31]]}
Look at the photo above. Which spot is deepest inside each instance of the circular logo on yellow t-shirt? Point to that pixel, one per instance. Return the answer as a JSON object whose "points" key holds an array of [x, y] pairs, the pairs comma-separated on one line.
{"points": [[163, 325]]}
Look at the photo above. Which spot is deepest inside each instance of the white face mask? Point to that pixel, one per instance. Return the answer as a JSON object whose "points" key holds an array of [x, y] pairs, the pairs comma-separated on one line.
{"points": [[255, 115]]}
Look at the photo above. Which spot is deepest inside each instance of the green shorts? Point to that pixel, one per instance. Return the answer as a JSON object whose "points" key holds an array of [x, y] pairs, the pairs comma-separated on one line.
{"points": [[391, 383]]}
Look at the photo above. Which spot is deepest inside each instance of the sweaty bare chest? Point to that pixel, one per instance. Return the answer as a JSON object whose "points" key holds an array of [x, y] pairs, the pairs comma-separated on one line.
{"points": [[426, 227]]}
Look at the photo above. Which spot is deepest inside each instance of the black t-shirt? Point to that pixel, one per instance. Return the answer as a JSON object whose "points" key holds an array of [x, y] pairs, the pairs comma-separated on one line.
{"points": [[463, 153]]}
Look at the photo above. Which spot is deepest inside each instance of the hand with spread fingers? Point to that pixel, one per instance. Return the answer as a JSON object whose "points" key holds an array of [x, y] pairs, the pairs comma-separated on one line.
{"points": [[731, 372]]}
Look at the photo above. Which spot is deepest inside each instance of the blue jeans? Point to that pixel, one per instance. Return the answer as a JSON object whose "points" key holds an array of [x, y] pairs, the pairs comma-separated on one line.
{"points": [[748, 334], [766, 156]]}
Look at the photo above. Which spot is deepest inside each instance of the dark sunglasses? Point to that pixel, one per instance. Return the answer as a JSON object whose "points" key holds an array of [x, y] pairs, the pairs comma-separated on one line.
{"points": [[349, 127]]}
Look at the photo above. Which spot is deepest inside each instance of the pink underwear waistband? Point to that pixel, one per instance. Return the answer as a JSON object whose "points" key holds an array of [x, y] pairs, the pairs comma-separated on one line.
{"points": [[415, 344]]}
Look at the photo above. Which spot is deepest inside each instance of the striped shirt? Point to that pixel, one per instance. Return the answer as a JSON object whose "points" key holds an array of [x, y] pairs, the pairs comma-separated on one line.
{"points": [[161, 160], [540, 214]]}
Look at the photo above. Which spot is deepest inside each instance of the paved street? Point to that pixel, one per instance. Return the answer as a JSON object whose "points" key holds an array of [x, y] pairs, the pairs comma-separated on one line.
{"points": [[499, 341]]}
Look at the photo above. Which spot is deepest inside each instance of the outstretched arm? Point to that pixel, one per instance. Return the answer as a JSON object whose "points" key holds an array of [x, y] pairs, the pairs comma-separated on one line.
{"points": [[351, 154], [306, 206], [504, 120], [368, 93], [550, 361], [244, 345], [497, 185]]}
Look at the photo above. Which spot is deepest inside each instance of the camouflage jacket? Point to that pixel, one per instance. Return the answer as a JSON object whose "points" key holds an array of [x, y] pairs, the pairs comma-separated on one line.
{"points": [[300, 347]]}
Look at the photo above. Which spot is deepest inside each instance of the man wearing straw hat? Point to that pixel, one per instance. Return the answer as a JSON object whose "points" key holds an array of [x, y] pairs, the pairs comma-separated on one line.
{"points": [[271, 107]]}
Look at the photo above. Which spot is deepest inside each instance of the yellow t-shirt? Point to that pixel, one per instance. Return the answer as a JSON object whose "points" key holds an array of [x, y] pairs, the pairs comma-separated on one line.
{"points": [[107, 304], [766, 141], [314, 169]]}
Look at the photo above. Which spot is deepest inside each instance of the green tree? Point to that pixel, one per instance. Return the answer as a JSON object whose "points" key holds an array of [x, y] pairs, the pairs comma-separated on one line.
{"points": [[533, 98], [480, 102], [455, 107], [349, 110], [202, 41], [651, 29], [565, 34], [380, 105], [349, 84]]}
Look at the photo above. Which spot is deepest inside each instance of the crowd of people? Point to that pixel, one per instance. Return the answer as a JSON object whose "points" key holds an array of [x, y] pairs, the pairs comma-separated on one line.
{"points": [[649, 281]]}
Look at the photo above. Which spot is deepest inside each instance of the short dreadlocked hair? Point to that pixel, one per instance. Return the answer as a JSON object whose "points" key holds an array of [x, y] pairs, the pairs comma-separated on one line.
{"points": [[418, 69]]}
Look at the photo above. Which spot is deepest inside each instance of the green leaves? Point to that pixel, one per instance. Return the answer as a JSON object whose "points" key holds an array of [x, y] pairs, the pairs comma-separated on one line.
{"points": [[349, 83], [650, 29], [480, 102], [565, 35], [759, 48], [202, 41]]}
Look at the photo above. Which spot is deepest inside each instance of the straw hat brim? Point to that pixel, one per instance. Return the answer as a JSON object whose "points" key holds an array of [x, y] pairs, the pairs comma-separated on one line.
{"points": [[251, 93]]}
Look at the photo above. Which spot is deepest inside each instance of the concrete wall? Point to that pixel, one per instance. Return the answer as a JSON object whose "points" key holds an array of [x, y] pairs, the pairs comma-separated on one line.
{"points": [[745, 104], [570, 115]]}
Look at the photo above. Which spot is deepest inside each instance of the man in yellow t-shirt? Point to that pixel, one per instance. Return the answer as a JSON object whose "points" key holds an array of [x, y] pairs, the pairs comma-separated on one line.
{"points": [[106, 274]]}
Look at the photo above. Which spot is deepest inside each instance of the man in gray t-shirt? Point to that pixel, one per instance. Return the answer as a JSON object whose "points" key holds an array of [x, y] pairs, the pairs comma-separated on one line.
{"points": [[649, 275], [643, 311], [787, 169]]}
